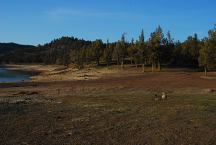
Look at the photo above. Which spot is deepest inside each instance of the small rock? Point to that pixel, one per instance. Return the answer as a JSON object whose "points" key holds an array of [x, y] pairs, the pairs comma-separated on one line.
{"points": [[164, 96], [211, 90], [157, 99]]}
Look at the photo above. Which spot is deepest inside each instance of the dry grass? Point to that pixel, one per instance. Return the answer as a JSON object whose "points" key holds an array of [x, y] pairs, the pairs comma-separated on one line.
{"points": [[61, 73]]}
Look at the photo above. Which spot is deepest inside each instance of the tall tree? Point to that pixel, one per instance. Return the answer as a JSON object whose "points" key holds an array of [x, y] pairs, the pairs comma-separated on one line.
{"points": [[204, 55], [143, 50], [142, 37], [97, 48], [167, 49], [212, 48], [191, 48], [108, 53], [160, 41], [116, 53], [80, 57], [155, 42], [152, 45], [66, 56], [122, 49], [130, 51], [207, 57]]}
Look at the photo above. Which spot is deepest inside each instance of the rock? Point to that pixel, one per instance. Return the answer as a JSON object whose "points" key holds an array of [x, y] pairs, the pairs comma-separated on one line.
{"points": [[70, 133], [210, 90], [164, 96], [156, 97]]}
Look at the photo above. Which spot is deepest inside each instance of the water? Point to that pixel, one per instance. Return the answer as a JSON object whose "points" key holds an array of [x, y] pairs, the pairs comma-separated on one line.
{"points": [[7, 76]]}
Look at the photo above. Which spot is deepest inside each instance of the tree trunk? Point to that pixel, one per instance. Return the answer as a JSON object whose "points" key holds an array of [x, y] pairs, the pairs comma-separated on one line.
{"points": [[122, 64], [205, 71], [98, 62], [152, 67], [118, 60], [159, 66], [143, 67], [136, 65]]}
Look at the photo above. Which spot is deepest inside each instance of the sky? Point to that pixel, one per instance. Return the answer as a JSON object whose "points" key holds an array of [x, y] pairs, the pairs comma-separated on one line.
{"points": [[40, 21]]}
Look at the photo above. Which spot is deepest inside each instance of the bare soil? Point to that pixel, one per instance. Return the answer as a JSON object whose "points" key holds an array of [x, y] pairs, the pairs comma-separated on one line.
{"points": [[116, 108]]}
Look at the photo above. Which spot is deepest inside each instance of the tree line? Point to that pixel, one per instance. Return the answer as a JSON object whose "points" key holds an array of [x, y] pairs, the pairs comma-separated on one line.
{"points": [[158, 50]]}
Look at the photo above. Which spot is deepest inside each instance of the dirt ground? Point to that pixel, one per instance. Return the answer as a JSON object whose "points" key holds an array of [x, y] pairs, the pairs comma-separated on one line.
{"points": [[114, 109], [50, 73]]}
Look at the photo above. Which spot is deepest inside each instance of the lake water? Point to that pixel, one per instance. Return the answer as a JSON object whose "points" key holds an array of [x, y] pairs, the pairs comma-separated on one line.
{"points": [[7, 76]]}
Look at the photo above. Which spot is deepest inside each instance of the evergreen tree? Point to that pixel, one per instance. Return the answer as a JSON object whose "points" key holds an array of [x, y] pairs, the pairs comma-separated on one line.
{"points": [[97, 48], [130, 50], [204, 55], [117, 53], [108, 53], [160, 40], [121, 50], [191, 48], [66, 56], [155, 42], [143, 50], [212, 41]]}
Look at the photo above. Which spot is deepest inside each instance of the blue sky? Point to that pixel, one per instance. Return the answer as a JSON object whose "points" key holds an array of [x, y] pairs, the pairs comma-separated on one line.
{"points": [[40, 21]]}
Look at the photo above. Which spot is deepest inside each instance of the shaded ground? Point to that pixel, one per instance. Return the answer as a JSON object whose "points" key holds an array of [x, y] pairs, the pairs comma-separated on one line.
{"points": [[116, 109]]}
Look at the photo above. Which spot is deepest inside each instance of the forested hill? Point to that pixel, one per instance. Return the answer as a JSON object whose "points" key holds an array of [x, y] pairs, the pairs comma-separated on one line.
{"points": [[17, 53], [66, 50], [55, 52], [158, 50], [9, 47]]}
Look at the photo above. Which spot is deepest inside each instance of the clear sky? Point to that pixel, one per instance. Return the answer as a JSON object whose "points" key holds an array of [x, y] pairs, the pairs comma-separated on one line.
{"points": [[40, 21]]}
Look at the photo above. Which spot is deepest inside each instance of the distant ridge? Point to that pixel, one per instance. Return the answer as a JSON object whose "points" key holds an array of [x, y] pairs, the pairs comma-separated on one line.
{"points": [[18, 53], [9, 47]]}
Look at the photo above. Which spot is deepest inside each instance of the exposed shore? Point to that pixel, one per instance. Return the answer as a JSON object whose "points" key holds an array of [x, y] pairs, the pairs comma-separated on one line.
{"points": [[46, 73], [50, 73], [107, 106]]}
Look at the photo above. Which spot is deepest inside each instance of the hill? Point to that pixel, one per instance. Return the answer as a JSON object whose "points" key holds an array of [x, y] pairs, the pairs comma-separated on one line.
{"points": [[17, 53], [9, 47]]}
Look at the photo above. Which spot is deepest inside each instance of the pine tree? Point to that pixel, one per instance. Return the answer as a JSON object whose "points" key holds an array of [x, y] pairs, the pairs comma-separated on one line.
{"points": [[207, 54], [97, 48], [212, 48], [130, 51], [159, 43], [204, 56], [155, 43], [142, 50], [108, 53], [122, 50]]}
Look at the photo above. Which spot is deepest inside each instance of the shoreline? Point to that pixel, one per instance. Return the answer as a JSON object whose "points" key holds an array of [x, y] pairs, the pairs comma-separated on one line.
{"points": [[24, 71], [52, 73]]}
